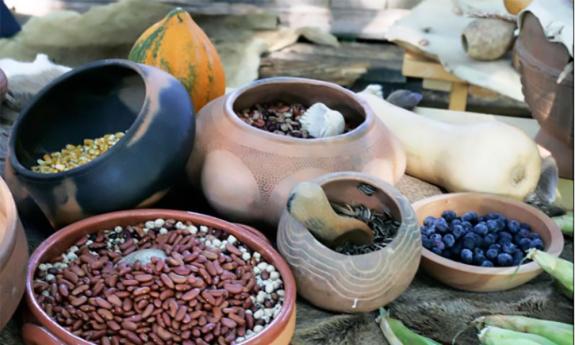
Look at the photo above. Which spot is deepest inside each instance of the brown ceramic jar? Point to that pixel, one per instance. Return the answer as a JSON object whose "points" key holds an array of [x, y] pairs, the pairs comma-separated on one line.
{"points": [[246, 173], [13, 256]]}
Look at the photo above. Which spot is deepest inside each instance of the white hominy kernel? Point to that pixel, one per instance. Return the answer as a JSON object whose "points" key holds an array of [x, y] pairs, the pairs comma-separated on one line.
{"points": [[257, 270], [192, 229], [280, 293], [270, 268], [180, 225], [46, 293], [242, 249], [257, 256], [89, 242], [259, 314], [269, 287], [203, 228], [74, 249], [150, 224], [277, 312], [216, 242], [158, 223], [249, 311], [50, 277], [118, 229], [246, 256], [232, 239], [258, 328], [262, 265], [163, 231], [274, 275], [42, 267], [261, 297]]}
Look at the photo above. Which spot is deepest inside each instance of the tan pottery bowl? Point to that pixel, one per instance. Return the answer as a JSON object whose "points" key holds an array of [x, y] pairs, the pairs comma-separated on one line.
{"points": [[356, 283], [13, 256], [486, 279], [247, 173], [42, 330]]}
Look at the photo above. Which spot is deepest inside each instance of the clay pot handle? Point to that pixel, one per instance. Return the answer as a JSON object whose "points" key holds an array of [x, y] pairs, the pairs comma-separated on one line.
{"points": [[37, 335], [254, 231]]}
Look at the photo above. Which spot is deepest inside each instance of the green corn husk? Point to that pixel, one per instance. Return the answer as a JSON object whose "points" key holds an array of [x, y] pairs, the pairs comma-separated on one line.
{"points": [[565, 223], [491, 335], [558, 268], [396, 333], [558, 332]]}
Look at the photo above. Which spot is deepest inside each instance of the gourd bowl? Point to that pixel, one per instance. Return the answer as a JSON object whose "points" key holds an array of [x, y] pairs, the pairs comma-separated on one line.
{"points": [[103, 97], [247, 173], [353, 283], [42, 330], [485, 279], [13, 256]]}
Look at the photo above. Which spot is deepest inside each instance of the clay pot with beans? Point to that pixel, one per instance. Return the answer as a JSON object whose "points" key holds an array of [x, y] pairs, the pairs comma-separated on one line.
{"points": [[158, 276]]}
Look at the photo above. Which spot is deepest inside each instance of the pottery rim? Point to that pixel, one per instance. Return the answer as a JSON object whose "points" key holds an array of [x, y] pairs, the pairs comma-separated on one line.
{"points": [[356, 132], [355, 177], [26, 172], [249, 238], [554, 247], [8, 233]]}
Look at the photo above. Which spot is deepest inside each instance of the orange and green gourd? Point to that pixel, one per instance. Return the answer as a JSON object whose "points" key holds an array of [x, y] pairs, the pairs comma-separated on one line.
{"points": [[180, 47]]}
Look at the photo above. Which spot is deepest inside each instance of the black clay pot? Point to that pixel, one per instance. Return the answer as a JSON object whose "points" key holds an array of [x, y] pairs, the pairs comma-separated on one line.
{"points": [[99, 98]]}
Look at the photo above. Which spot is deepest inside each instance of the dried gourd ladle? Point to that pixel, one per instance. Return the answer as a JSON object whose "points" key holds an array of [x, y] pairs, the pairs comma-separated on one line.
{"points": [[309, 205]]}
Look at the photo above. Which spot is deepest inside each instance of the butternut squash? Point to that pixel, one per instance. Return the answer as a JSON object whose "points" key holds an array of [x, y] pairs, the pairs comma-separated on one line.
{"points": [[490, 157]]}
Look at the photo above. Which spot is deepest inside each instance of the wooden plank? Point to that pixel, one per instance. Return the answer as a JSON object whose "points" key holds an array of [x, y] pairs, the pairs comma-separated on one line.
{"points": [[437, 85], [420, 67], [458, 97]]}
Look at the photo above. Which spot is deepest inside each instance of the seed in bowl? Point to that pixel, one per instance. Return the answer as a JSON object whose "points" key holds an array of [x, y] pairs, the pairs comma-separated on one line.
{"points": [[160, 282], [72, 156], [491, 240]]}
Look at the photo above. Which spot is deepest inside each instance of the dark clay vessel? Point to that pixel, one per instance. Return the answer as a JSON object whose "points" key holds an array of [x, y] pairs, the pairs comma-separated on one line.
{"points": [[99, 98], [551, 104]]}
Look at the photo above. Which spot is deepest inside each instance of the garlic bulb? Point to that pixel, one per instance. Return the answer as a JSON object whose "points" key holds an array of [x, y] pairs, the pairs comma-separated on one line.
{"points": [[321, 122]]}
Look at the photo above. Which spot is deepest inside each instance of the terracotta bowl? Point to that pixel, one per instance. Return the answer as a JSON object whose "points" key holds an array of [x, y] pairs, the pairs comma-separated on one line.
{"points": [[540, 63], [43, 331], [485, 279], [13, 256], [100, 98], [247, 173], [357, 283]]}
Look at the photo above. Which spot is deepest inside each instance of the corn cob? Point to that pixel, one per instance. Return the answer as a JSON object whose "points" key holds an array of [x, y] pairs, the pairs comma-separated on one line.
{"points": [[491, 335], [558, 332], [396, 333], [558, 268]]}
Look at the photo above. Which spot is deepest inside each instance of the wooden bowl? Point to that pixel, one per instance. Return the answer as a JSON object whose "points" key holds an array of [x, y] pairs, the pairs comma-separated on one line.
{"points": [[13, 255], [357, 283], [99, 98], [485, 279], [44, 331]]}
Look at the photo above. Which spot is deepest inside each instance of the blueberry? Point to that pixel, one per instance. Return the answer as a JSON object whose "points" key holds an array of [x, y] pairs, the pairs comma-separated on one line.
{"points": [[469, 241], [481, 229], [439, 245], [478, 256], [517, 258], [457, 247], [495, 215], [504, 236], [525, 226], [504, 259], [456, 221], [437, 250], [537, 244], [427, 230], [495, 246], [449, 240], [426, 242], [470, 217], [487, 263], [441, 225], [501, 223], [513, 226], [429, 220], [534, 236], [523, 233], [435, 237], [447, 254], [525, 243], [492, 225], [457, 231], [489, 239], [448, 215], [509, 248], [466, 256], [491, 254], [478, 251], [467, 226]]}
